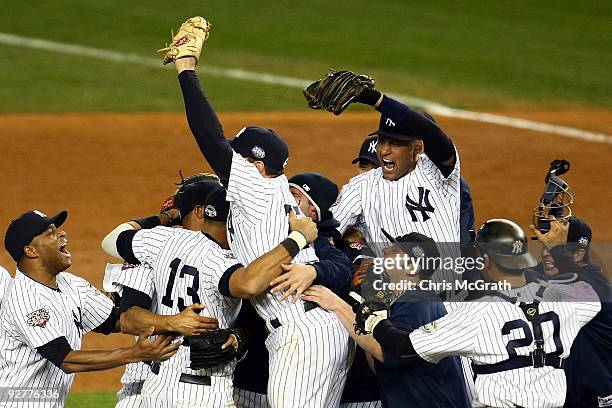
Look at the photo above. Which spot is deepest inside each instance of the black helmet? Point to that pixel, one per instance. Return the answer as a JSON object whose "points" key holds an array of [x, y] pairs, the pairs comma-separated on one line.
{"points": [[505, 243]]}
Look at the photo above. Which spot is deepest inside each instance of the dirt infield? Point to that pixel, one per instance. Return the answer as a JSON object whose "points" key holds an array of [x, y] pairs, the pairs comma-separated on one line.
{"points": [[108, 168]]}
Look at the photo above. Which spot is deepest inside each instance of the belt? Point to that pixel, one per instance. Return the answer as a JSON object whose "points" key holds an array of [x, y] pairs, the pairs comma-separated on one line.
{"points": [[532, 360], [308, 306], [184, 378], [195, 379]]}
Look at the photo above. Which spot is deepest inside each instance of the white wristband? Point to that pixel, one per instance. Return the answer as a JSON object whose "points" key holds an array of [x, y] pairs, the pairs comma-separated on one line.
{"points": [[299, 239]]}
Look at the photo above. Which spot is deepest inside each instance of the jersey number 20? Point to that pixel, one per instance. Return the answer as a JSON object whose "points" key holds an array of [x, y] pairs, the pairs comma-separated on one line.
{"points": [[512, 345], [192, 290]]}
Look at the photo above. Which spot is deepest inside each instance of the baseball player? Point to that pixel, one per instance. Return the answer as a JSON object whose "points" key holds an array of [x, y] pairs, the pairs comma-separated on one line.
{"points": [[45, 313], [193, 267], [416, 189], [314, 194], [517, 339], [134, 285], [588, 372], [426, 385], [367, 159], [251, 166]]}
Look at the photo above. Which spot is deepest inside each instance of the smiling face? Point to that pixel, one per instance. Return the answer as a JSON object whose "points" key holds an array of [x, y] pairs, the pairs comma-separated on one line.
{"points": [[50, 247], [548, 263], [397, 157]]}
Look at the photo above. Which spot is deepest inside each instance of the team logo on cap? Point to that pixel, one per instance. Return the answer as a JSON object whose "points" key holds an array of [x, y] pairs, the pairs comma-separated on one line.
{"points": [[517, 247], [389, 122], [258, 152], [372, 147], [305, 187], [583, 242], [210, 211], [38, 318], [418, 252]]}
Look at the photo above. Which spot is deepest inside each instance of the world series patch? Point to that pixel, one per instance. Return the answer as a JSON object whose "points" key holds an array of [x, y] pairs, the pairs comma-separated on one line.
{"points": [[38, 318]]}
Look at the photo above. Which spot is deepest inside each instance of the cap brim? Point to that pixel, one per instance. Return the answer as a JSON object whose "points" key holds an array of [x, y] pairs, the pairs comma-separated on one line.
{"points": [[388, 236], [365, 158], [523, 261], [59, 218], [392, 135]]}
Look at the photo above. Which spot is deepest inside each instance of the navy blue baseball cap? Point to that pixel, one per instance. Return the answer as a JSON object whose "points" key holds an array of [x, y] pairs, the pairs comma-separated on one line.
{"points": [[404, 129], [579, 233], [368, 150], [320, 191], [26, 227], [195, 194], [262, 144], [216, 207]]}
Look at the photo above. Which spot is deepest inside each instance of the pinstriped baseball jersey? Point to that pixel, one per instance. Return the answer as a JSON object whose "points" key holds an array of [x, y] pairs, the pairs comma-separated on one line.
{"points": [[422, 201], [32, 315], [138, 277], [491, 331], [187, 267], [258, 223], [5, 280]]}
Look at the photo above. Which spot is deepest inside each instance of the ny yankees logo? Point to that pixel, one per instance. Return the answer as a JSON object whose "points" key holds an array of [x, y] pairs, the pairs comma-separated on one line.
{"points": [[517, 247], [372, 147], [423, 205], [389, 122], [77, 320]]}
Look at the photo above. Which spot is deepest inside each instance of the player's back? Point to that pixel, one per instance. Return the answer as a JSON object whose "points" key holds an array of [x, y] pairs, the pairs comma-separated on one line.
{"points": [[508, 329], [188, 268]]}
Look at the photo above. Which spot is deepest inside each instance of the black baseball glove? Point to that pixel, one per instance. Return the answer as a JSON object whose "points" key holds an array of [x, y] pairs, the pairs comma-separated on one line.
{"points": [[367, 314], [336, 90], [205, 350]]}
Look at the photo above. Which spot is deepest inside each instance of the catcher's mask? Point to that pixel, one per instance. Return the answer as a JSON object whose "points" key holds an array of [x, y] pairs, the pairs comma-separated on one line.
{"points": [[556, 201]]}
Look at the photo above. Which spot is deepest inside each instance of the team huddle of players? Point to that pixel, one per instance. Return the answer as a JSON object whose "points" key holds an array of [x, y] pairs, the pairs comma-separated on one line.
{"points": [[274, 259]]}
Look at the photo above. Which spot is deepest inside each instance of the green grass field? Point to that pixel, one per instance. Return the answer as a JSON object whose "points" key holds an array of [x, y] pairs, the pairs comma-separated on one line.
{"points": [[91, 399], [466, 54]]}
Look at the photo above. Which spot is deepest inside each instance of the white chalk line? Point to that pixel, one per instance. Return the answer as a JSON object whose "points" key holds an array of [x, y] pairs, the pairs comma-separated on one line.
{"points": [[430, 106]]}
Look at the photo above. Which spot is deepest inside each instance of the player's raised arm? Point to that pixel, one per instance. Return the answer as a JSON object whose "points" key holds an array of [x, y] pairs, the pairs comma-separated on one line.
{"points": [[255, 278], [184, 52]]}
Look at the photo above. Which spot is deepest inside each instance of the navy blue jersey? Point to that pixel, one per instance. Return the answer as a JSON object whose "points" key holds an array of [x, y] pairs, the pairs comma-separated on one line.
{"points": [[421, 385], [589, 366]]}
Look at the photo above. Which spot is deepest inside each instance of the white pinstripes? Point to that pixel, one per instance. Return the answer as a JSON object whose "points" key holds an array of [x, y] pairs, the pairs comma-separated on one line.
{"points": [[308, 364], [364, 404], [138, 277], [5, 281], [249, 399], [176, 257], [74, 309], [370, 201], [474, 330], [259, 223]]}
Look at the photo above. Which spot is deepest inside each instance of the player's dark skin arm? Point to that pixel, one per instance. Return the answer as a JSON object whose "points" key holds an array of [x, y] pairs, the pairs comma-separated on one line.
{"points": [[203, 120], [438, 146], [135, 318], [159, 349]]}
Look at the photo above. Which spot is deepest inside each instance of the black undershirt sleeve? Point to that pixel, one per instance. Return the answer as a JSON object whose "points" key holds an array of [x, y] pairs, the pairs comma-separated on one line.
{"points": [[132, 297], [124, 246], [224, 287], [55, 351], [109, 324], [205, 126], [396, 342], [438, 146]]}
